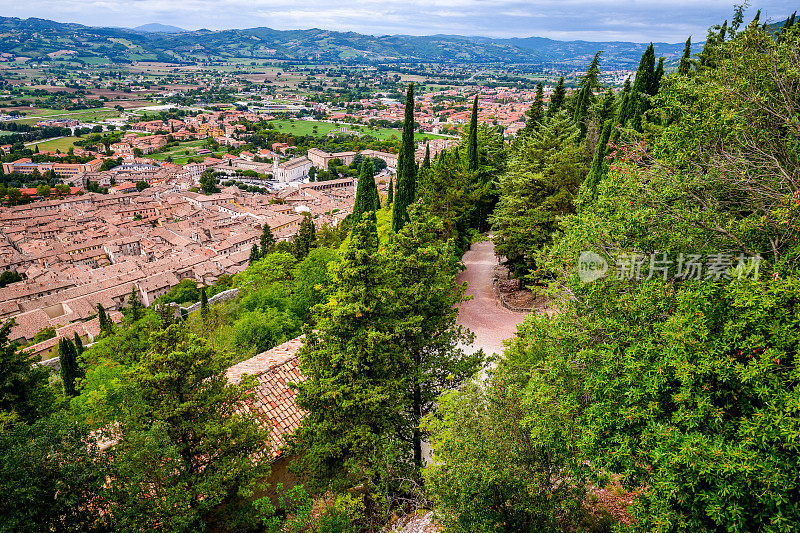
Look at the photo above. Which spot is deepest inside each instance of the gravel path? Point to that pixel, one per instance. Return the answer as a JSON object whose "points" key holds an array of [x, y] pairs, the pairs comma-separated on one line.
{"points": [[491, 322]]}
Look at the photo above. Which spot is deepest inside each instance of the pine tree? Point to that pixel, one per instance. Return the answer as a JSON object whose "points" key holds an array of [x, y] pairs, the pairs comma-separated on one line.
{"points": [[390, 197], [255, 255], [70, 371], [536, 112], [76, 340], [557, 98], [267, 240], [686, 61], [135, 308], [472, 138], [406, 167]]}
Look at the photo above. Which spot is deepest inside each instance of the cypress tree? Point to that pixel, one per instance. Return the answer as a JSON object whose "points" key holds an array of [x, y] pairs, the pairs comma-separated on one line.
{"points": [[659, 73], [254, 253], [645, 71], [203, 304], [536, 112], [645, 78], [606, 106], [622, 110], [590, 81], [390, 198], [267, 240], [472, 138], [786, 27], [70, 371], [78, 343], [353, 391], [135, 307], [305, 238], [426, 163], [722, 32], [686, 62], [557, 99], [577, 112], [106, 325], [596, 172], [367, 198], [406, 167]]}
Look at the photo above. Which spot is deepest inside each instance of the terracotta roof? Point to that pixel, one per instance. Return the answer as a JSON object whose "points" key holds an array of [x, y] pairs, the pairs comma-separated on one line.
{"points": [[274, 399]]}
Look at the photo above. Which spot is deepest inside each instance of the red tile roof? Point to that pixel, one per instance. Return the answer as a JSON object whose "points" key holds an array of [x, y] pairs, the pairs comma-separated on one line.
{"points": [[274, 399]]}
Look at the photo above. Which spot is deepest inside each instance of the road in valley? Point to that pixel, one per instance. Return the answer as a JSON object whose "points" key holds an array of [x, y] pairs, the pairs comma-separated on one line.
{"points": [[483, 315]]}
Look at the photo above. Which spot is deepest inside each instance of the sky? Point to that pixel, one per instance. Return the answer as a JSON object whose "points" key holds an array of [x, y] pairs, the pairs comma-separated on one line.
{"points": [[591, 20]]}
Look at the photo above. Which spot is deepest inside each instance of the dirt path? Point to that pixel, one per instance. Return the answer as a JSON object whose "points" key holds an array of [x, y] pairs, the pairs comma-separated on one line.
{"points": [[491, 322]]}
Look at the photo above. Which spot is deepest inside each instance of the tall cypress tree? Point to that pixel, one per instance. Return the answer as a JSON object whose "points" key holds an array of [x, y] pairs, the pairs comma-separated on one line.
{"points": [[390, 197], [596, 172], [642, 85], [787, 25], [585, 98], [686, 62], [606, 106], [203, 304], [557, 98], [657, 75], [106, 325], [406, 167], [422, 275], [135, 307], [426, 162], [70, 371], [622, 110], [305, 238], [76, 339], [536, 112], [255, 255], [353, 393], [367, 198], [472, 138], [267, 240]]}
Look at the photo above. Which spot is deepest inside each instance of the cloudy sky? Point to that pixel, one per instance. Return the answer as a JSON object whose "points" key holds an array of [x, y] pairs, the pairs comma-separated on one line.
{"points": [[595, 20]]}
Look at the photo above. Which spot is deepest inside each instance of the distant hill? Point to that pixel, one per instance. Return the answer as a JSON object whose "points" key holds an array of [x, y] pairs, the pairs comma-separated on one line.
{"points": [[35, 38], [155, 27]]}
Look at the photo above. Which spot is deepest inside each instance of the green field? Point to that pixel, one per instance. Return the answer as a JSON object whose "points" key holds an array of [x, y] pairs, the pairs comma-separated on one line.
{"points": [[306, 127], [179, 157], [87, 115], [63, 144]]}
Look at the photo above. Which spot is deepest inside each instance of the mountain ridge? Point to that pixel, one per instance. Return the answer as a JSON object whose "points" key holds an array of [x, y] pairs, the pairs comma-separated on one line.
{"points": [[35, 38]]}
